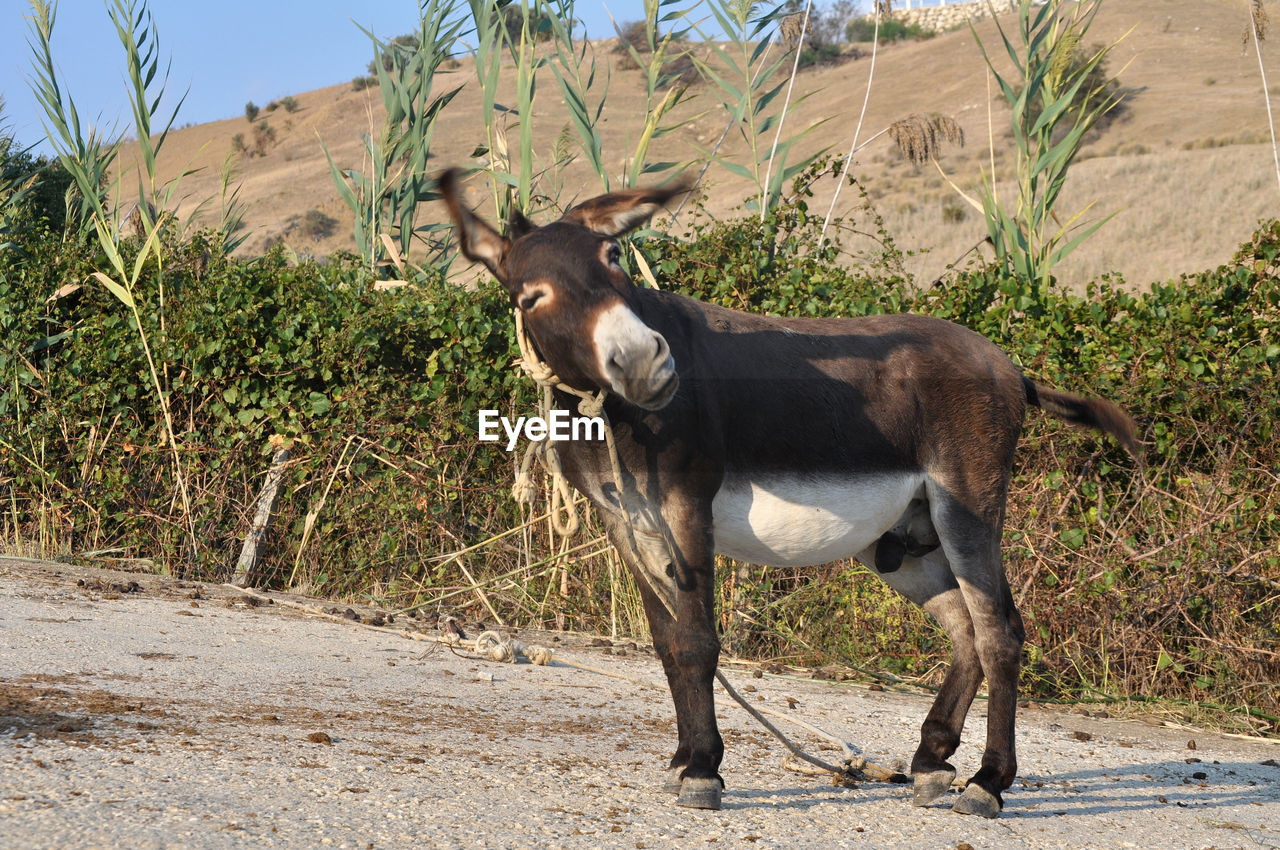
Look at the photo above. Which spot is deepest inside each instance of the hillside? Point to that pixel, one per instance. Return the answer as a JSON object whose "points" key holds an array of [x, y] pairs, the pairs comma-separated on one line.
{"points": [[1189, 166]]}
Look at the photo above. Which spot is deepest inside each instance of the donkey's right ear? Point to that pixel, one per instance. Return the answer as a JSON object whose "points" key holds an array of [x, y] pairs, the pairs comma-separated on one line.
{"points": [[479, 242]]}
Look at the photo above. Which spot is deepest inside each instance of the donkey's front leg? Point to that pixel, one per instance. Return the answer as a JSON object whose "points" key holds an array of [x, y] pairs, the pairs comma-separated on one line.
{"points": [[695, 647], [655, 576]]}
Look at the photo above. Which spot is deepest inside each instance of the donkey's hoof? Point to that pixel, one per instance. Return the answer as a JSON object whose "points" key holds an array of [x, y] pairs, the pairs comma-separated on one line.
{"points": [[977, 800], [930, 786], [671, 783], [699, 793]]}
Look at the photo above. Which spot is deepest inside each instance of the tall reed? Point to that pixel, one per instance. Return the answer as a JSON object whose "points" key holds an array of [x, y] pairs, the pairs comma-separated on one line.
{"points": [[786, 101], [385, 200], [1051, 111], [745, 81], [231, 209], [510, 173], [1259, 21], [665, 83], [582, 79], [88, 159], [89, 149]]}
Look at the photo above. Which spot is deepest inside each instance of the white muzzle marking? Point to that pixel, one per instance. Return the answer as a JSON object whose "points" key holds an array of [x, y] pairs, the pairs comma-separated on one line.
{"points": [[634, 358]]}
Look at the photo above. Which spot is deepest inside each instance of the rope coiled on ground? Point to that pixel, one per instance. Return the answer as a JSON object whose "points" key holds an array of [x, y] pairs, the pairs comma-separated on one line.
{"points": [[495, 647]]}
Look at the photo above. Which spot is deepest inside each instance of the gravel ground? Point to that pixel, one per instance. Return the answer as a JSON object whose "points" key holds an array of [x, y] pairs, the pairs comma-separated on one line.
{"points": [[145, 718]]}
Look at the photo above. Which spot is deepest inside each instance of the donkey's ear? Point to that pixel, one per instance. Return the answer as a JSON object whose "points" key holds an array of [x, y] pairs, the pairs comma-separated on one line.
{"points": [[479, 242], [618, 212], [518, 225]]}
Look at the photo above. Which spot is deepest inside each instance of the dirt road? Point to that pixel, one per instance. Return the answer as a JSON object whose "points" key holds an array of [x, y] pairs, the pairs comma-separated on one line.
{"points": [[138, 716]]}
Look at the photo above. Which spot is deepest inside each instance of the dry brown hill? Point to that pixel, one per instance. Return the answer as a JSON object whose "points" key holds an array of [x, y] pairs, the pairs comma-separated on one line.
{"points": [[1189, 167]]}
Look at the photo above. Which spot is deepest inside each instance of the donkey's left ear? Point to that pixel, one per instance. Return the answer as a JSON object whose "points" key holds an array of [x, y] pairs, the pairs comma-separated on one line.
{"points": [[618, 212], [479, 242]]}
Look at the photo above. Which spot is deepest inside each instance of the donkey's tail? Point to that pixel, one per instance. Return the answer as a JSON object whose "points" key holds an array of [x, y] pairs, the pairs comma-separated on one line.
{"points": [[1091, 412]]}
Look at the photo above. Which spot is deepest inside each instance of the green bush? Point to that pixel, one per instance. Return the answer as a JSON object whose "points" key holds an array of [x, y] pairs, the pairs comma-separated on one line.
{"points": [[397, 54], [264, 137], [253, 349], [251, 111], [825, 30], [775, 266], [635, 34], [47, 182], [540, 23], [864, 29], [315, 224], [954, 212], [825, 54]]}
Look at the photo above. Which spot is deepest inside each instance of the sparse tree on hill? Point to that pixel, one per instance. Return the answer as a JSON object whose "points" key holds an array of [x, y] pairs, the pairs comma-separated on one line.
{"points": [[399, 50]]}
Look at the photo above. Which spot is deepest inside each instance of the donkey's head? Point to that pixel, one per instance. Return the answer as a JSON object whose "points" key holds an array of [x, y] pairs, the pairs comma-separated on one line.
{"points": [[577, 302]]}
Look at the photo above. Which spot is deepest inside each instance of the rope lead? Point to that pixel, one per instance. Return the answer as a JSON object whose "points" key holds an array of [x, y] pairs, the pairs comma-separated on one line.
{"points": [[564, 516]]}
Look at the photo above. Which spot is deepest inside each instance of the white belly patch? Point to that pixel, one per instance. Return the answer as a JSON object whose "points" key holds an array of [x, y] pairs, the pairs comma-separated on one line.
{"points": [[797, 522]]}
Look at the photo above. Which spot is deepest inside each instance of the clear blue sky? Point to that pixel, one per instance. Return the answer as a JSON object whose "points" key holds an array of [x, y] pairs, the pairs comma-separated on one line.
{"points": [[228, 51]]}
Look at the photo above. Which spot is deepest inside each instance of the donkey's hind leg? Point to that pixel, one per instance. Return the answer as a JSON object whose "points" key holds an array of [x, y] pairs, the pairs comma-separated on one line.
{"points": [[928, 582], [970, 535]]}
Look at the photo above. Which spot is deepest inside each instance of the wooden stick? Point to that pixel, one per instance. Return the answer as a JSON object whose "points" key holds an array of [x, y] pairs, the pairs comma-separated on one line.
{"points": [[249, 553]]}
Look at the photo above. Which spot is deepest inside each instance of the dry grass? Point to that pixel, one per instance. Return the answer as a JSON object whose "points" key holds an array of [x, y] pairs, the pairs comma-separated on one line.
{"points": [[1199, 203]]}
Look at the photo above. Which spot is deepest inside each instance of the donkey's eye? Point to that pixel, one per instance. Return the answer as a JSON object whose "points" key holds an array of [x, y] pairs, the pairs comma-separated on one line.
{"points": [[615, 254], [528, 302]]}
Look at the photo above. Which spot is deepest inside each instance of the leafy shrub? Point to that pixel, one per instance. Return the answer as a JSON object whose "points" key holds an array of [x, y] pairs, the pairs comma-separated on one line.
{"points": [[264, 136], [678, 69], [823, 33], [635, 34], [397, 54], [315, 224], [541, 25], [257, 348], [251, 111], [864, 29], [774, 266], [362, 83], [290, 103], [44, 184], [953, 212], [825, 54], [827, 26]]}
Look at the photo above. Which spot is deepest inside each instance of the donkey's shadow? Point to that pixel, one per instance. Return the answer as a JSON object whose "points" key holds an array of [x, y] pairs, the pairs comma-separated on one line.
{"points": [[1095, 791]]}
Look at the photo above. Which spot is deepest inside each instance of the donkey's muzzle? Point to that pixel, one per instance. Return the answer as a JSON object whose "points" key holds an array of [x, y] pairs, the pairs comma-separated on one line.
{"points": [[635, 359]]}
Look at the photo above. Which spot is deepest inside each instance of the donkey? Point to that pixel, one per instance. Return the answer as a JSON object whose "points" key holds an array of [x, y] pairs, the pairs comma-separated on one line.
{"points": [[784, 442]]}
